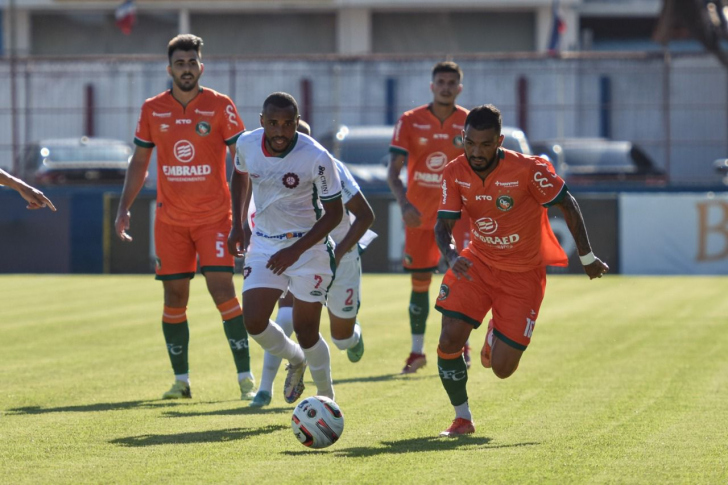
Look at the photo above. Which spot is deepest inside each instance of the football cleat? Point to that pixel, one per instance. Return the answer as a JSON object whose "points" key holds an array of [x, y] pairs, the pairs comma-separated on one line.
{"points": [[356, 351], [179, 390], [247, 388], [293, 388], [414, 362], [485, 351], [459, 427], [466, 355], [260, 400]]}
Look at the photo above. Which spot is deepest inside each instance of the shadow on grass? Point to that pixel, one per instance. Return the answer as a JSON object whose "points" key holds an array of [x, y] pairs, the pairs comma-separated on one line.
{"points": [[214, 436], [101, 406], [415, 445], [241, 411], [385, 377]]}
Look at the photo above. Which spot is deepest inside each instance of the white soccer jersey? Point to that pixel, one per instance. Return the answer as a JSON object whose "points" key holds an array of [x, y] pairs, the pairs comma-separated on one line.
{"points": [[286, 188], [349, 188]]}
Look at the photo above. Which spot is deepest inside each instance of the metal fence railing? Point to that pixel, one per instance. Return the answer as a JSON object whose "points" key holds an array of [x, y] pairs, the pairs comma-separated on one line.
{"points": [[675, 107]]}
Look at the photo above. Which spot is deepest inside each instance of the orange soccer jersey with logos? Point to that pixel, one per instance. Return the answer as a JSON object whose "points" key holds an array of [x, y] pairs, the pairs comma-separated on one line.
{"points": [[191, 142], [429, 145], [510, 228]]}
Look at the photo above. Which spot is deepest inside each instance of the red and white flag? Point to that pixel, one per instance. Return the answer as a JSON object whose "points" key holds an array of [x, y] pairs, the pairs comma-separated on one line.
{"points": [[126, 16]]}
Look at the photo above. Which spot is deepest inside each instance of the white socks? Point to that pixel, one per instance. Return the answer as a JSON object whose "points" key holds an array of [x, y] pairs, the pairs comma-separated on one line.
{"points": [[274, 340], [319, 363], [463, 411], [183, 378], [243, 375], [271, 363], [418, 343], [348, 343]]}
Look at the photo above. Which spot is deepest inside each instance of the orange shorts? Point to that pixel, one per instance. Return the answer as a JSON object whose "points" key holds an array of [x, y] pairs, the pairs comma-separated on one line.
{"points": [[515, 299], [177, 248], [420, 250]]}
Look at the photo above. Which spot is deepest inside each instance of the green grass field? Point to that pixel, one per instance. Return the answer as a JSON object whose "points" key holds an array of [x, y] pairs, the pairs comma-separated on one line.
{"points": [[626, 381]]}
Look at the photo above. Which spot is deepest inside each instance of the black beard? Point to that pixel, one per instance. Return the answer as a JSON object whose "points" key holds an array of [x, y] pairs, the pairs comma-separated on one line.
{"points": [[487, 165]]}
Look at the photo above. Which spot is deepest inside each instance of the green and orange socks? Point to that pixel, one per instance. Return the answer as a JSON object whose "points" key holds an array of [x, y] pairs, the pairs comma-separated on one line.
{"points": [[453, 375], [177, 336], [232, 317]]}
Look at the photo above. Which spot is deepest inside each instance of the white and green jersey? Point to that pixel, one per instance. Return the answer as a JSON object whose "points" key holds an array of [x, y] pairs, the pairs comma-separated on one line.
{"points": [[287, 188]]}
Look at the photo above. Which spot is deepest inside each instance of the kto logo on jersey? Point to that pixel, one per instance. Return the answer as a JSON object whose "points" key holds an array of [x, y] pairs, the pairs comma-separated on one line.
{"points": [[183, 122], [504, 203], [436, 161], [444, 292], [291, 180], [184, 151], [486, 225], [203, 128], [483, 197]]}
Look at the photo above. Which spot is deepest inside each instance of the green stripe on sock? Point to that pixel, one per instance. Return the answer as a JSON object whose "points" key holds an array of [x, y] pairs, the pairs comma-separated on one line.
{"points": [[454, 377], [419, 309], [238, 340], [177, 336]]}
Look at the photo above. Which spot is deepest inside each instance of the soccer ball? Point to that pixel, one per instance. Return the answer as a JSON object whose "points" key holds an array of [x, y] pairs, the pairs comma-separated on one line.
{"points": [[317, 422]]}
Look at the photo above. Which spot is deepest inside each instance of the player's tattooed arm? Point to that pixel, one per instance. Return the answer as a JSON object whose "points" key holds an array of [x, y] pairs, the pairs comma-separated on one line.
{"points": [[443, 237], [410, 214], [575, 221]]}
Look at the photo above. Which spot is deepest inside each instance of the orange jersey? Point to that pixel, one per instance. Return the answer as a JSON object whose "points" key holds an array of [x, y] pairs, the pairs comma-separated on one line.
{"points": [[510, 228], [191, 145], [428, 145]]}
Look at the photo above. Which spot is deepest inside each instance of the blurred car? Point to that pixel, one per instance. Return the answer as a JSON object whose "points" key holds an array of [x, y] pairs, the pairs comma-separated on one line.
{"points": [[721, 166], [79, 160], [365, 151], [593, 161]]}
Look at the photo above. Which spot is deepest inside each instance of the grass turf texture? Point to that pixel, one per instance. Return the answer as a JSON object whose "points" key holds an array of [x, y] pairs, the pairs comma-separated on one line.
{"points": [[626, 381]]}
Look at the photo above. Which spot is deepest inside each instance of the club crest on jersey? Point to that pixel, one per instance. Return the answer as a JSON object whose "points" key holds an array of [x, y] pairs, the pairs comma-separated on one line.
{"points": [[291, 180], [458, 141], [444, 292], [203, 128], [504, 203], [158, 262], [246, 271], [407, 259]]}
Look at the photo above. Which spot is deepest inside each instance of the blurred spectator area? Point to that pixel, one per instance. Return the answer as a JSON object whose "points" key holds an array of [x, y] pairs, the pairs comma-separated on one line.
{"points": [[674, 107]]}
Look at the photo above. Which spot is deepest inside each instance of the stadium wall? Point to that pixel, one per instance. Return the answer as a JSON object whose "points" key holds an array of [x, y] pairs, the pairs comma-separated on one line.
{"points": [[677, 110]]}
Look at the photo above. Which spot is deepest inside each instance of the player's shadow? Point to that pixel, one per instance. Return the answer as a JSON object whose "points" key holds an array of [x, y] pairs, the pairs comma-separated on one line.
{"points": [[240, 411], [91, 408], [213, 436], [385, 377], [416, 445]]}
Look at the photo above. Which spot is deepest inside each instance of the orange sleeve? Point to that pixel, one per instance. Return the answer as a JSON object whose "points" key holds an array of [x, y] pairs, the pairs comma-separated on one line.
{"points": [[143, 134], [543, 183], [400, 139], [232, 124], [450, 201]]}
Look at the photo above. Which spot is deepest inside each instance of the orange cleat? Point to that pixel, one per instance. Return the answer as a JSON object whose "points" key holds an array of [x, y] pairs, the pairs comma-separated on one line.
{"points": [[414, 362], [485, 351], [459, 427]]}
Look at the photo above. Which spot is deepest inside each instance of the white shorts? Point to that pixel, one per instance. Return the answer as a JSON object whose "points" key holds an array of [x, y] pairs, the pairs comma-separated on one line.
{"points": [[308, 278], [344, 294]]}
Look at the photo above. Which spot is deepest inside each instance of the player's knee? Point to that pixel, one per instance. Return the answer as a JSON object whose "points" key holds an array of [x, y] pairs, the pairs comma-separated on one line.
{"points": [[421, 282], [504, 370]]}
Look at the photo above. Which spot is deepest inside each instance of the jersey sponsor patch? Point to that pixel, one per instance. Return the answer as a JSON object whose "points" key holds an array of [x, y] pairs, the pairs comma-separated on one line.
{"points": [[291, 180], [184, 151]]}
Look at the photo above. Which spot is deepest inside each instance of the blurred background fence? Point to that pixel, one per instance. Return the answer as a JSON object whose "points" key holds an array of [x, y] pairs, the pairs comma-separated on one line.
{"points": [[675, 106]]}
